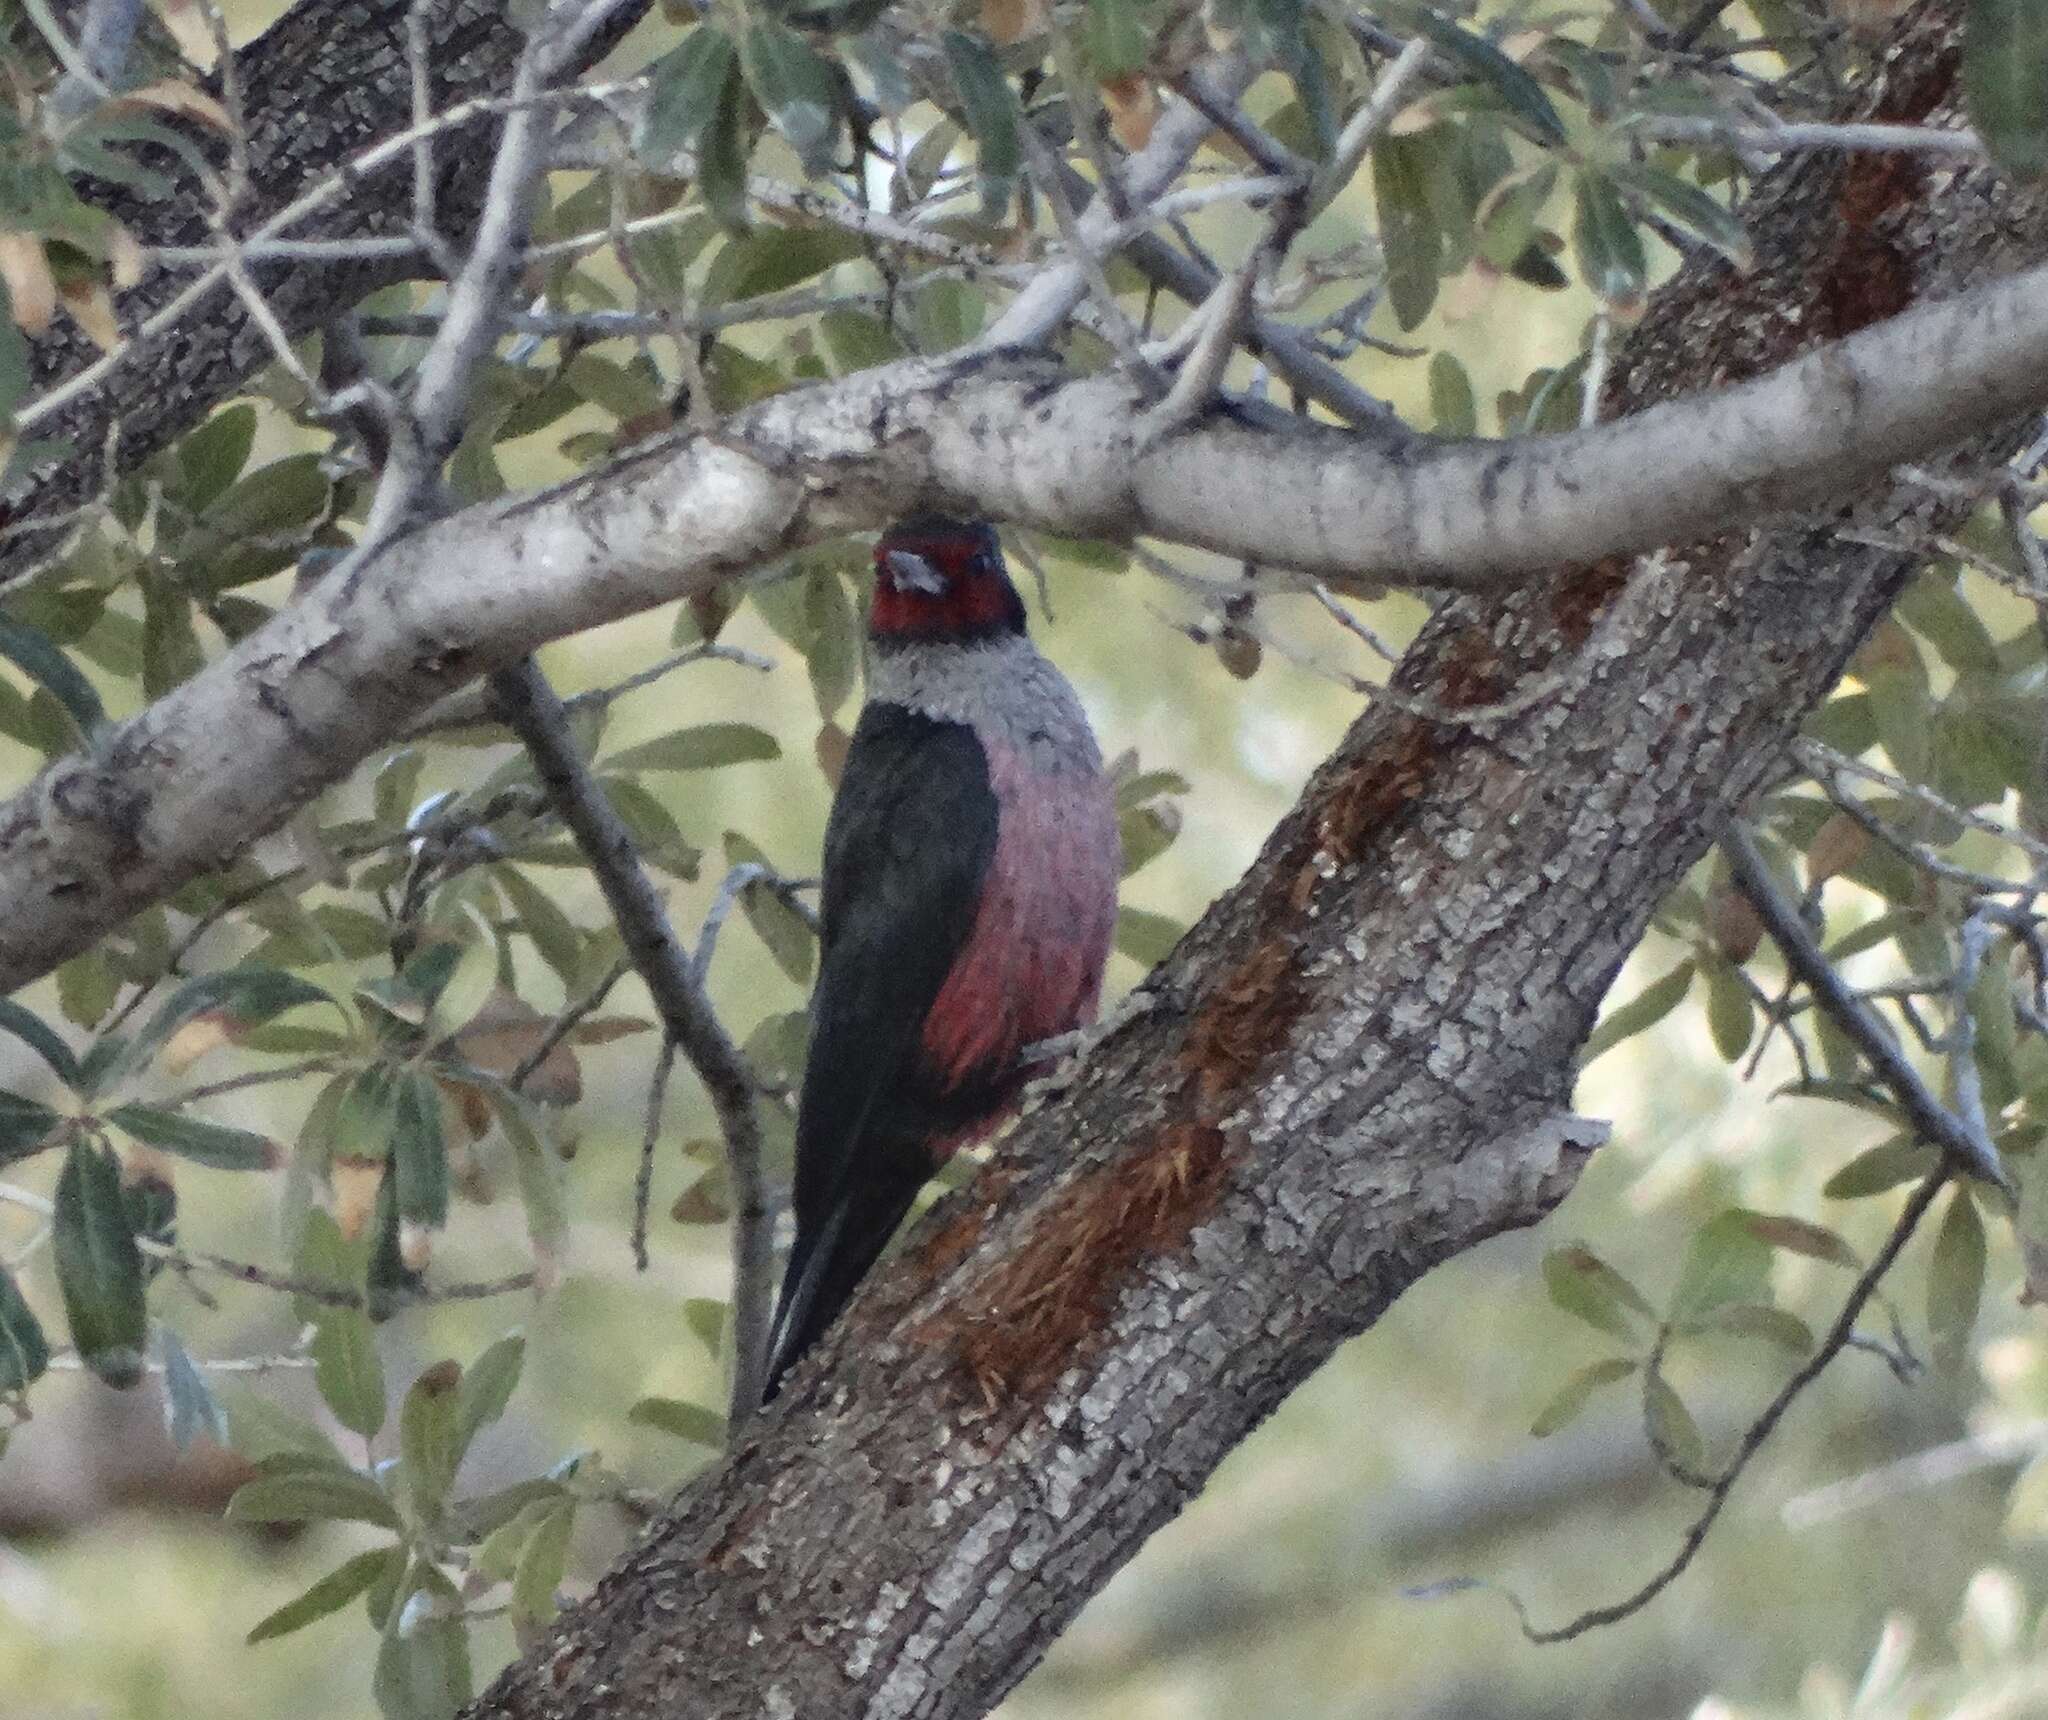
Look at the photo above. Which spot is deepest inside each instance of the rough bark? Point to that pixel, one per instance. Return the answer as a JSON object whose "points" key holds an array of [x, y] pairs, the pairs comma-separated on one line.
{"points": [[1357, 1064], [329, 78]]}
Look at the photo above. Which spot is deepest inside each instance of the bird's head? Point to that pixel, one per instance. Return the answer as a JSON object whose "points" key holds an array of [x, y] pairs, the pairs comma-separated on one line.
{"points": [[942, 581]]}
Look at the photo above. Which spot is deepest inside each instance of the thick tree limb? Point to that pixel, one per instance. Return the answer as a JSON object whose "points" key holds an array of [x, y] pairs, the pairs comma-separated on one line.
{"points": [[230, 753], [1357, 1065]]}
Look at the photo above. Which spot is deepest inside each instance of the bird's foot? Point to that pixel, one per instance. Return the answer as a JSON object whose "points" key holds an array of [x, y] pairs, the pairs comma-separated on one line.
{"points": [[1058, 1060]]}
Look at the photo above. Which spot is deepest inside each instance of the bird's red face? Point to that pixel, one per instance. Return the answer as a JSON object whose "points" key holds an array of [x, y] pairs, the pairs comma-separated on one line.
{"points": [[942, 581]]}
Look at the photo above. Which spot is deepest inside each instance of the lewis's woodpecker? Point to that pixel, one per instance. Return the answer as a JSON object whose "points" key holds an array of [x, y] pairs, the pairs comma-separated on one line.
{"points": [[971, 864]]}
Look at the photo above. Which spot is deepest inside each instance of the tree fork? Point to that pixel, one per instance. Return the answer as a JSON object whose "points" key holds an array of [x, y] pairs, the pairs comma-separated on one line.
{"points": [[1357, 1067]]}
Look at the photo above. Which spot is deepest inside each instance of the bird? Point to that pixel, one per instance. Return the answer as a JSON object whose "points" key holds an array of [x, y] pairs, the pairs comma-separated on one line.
{"points": [[968, 902]]}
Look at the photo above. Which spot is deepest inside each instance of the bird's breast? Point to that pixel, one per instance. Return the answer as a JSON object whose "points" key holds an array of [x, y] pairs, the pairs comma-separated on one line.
{"points": [[1032, 963]]}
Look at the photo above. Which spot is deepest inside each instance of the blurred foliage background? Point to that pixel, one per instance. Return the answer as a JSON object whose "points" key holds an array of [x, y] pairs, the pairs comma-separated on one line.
{"points": [[1885, 1557]]}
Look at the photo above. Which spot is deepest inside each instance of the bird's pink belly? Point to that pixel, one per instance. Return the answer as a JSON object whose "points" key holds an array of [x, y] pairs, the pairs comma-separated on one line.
{"points": [[1032, 964]]}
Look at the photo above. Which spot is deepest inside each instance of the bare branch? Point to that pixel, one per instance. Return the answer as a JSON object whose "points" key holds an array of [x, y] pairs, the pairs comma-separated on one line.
{"points": [[1832, 1345], [535, 715], [1961, 1139]]}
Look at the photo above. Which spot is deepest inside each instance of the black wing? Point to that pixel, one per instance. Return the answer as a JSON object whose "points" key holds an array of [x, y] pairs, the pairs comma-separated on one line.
{"points": [[909, 842]]}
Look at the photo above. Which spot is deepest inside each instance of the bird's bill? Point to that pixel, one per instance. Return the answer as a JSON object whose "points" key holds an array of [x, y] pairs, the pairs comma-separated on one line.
{"points": [[908, 571]]}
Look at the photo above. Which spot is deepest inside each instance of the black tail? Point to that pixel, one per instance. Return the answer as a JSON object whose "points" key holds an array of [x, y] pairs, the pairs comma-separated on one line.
{"points": [[825, 1267]]}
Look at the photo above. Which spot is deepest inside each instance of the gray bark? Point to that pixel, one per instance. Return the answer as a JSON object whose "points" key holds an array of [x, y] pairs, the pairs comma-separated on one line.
{"points": [[1357, 1065]]}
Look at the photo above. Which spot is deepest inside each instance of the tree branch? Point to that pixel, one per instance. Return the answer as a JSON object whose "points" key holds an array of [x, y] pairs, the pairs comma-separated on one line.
{"points": [[533, 712], [1355, 1066], [1967, 1148], [292, 708]]}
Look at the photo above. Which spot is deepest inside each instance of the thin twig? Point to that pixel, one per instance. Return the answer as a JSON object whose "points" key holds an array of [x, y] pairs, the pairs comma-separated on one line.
{"points": [[1966, 1146], [535, 715], [1753, 1438], [565, 1024], [650, 1137]]}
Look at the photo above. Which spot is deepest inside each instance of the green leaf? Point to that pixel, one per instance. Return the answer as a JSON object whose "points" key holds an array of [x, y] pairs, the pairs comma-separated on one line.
{"points": [[386, 1276], [833, 654], [1410, 240], [691, 1421], [87, 987], [24, 1352], [707, 746], [1524, 96], [170, 646], [419, 1157], [347, 1369], [14, 374], [423, 1670], [2005, 81], [857, 341], [330, 1594], [272, 500], [1731, 1012], [1760, 1320], [1451, 401], [1648, 1007], [540, 1182], [266, 1432], [722, 157], [622, 390], [1699, 211], [554, 935], [543, 1561], [989, 107], [25, 1127], [796, 89], [780, 927], [1902, 1159], [364, 1115], [214, 1145], [1147, 938], [684, 92], [1610, 250], [428, 1444], [769, 259], [1511, 212], [1113, 37], [706, 1316], [152, 1204], [1726, 1262], [1577, 1391], [487, 1387], [1145, 832], [1670, 1424], [1583, 1284], [1940, 614], [99, 1266], [248, 994], [212, 457], [1802, 1236], [190, 1408], [1955, 1282], [502, 1520], [655, 831], [32, 651], [40, 1038]]}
